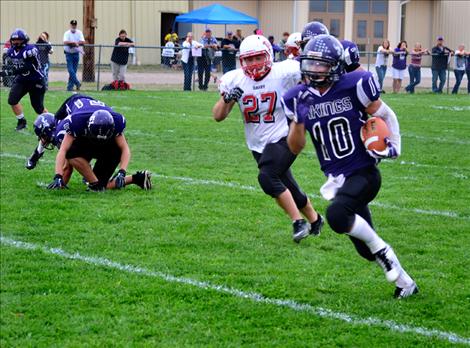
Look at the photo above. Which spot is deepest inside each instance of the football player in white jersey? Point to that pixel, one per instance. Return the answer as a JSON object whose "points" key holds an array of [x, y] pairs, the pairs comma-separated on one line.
{"points": [[257, 88], [293, 49]]}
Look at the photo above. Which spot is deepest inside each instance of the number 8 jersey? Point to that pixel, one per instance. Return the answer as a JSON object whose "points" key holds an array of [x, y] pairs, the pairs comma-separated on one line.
{"points": [[263, 115], [334, 120]]}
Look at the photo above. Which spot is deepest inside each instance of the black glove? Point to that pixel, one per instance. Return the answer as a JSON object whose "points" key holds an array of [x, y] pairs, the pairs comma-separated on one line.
{"points": [[120, 179], [235, 94], [58, 183], [96, 187]]}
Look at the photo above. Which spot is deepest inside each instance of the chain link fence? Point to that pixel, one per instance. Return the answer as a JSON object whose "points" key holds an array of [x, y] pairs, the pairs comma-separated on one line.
{"points": [[160, 68]]}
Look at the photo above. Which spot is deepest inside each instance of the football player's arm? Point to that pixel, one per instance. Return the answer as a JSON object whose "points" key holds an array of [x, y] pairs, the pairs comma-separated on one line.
{"points": [[379, 108], [296, 138], [125, 151], [61, 160], [221, 109]]}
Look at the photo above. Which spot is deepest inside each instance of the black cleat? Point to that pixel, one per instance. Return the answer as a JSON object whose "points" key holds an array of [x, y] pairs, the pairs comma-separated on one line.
{"points": [[96, 187], [315, 227], [406, 292], [301, 230], [21, 124], [143, 179], [33, 160]]}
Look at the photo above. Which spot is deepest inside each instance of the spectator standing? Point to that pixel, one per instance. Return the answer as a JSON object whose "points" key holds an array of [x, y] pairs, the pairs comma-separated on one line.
{"points": [[120, 56], [414, 69], [399, 65], [205, 61], [73, 38], [229, 52], [467, 70], [381, 62], [168, 53], [238, 36], [188, 60], [459, 67], [282, 45], [276, 48], [44, 50], [440, 59]]}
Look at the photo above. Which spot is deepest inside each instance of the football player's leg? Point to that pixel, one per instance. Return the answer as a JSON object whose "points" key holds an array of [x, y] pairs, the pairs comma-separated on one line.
{"points": [[79, 156], [17, 92], [36, 96], [106, 163]]}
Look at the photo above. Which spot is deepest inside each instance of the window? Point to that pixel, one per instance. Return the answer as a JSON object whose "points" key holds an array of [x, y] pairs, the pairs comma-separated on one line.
{"points": [[375, 48], [317, 5], [380, 6], [362, 49], [318, 20], [362, 29], [378, 29], [335, 27], [336, 6], [361, 6]]}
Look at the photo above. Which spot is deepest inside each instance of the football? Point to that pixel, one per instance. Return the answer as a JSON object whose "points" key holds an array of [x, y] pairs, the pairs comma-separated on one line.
{"points": [[373, 134]]}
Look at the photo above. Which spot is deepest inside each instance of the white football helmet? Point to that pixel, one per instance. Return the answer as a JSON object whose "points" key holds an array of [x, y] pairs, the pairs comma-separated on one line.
{"points": [[293, 44], [254, 46]]}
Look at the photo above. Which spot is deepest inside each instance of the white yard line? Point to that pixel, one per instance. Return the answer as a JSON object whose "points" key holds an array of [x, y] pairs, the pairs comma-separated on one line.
{"points": [[209, 182], [253, 296]]}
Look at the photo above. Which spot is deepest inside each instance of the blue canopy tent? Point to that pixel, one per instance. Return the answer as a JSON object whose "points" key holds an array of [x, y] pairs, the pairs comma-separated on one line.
{"points": [[216, 14]]}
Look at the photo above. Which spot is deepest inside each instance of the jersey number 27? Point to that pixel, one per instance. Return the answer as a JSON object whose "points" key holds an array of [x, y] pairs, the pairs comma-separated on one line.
{"points": [[251, 111]]}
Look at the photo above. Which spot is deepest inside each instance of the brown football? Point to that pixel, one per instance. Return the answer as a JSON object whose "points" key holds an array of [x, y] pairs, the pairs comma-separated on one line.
{"points": [[373, 134]]}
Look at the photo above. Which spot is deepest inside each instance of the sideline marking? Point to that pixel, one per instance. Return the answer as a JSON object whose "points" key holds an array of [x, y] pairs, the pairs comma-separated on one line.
{"points": [[253, 296], [196, 181]]}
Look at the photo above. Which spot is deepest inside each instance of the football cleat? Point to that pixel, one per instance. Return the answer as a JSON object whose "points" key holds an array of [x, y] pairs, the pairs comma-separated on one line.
{"points": [[21, 124], [143, 179], [406, 292], [96, 187], [33, 160], [385, 258], [301, 230], [315, 227]]}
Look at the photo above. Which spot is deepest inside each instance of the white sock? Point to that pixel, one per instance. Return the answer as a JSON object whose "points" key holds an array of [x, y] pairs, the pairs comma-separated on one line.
{"points": [[19, 117], [404, 280], [40, 149], [362, 231]]}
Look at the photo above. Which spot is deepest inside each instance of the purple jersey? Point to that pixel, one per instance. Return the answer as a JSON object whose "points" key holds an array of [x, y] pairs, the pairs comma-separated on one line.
{"points": [[25, 63], [334, 120], [60, 131], [81, 108]]}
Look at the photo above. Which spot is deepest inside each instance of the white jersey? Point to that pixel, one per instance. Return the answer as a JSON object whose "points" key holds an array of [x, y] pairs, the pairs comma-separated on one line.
{"points": [[260, 104]]}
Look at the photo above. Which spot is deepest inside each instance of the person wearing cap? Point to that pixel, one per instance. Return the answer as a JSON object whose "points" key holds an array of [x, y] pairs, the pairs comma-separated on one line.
{"points": [[229, 51], [440, 59], [205, 61], [73, 38]]}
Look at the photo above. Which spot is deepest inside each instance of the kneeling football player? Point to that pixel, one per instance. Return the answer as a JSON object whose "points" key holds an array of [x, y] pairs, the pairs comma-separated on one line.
{"points": [[332, 107], [95, 131]]}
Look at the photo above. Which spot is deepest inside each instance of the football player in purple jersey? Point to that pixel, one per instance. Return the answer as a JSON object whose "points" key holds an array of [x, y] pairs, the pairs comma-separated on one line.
{"points": [[332, 107], [29, 76], [95, 131], [351, 56]]}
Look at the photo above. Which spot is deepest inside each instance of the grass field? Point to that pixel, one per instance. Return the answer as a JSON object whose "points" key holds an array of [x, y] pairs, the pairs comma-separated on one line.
{"points": [[206, 259]]}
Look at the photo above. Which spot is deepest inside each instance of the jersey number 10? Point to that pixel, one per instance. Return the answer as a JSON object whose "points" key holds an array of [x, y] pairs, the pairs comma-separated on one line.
{"points": [[251, 110]]}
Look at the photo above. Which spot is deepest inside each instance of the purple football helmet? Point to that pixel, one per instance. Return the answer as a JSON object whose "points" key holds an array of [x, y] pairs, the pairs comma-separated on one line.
{"points": [[321, 61], [19, 34], [311, 30], [101, 125], [44, 127]]}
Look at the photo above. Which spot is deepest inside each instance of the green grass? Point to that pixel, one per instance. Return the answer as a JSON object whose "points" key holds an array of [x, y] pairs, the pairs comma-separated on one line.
{"points": [[230, 236]]}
